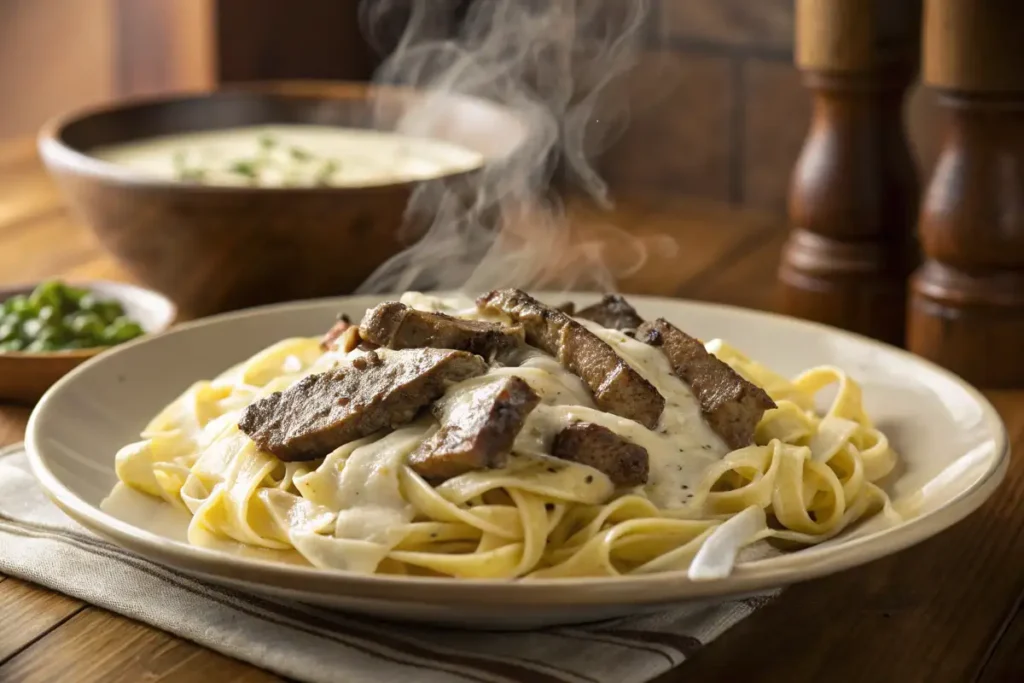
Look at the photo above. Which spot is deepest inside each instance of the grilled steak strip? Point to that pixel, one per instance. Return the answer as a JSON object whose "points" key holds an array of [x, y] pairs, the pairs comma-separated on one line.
{"points": [[613, 312], [477, 430], [617, 388], [396, 326], [324, 411], [732, 406], [567, 307], [329, 340], [624, 462]]}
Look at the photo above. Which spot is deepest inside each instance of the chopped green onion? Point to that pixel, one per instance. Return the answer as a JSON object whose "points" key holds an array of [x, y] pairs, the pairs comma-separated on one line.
{"points": [[329, 168], [57, 317], [47, 294], [9, 331], [44, 345], [18, 307], [122, 330], [194, 175], [244, 168], [47, 313], [87, 324], [31, 328]]}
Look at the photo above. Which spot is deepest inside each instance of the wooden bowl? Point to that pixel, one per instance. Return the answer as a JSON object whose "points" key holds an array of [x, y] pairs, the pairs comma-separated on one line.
{"points": [[25, 376], [212, 248]]}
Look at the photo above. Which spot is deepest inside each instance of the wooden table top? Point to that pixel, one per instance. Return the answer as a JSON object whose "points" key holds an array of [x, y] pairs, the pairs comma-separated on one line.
{"points": [[947, 610]]}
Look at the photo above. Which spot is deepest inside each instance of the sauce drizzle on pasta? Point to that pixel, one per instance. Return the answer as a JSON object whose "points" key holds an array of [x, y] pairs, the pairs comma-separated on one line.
{"points": [[806, 478]]}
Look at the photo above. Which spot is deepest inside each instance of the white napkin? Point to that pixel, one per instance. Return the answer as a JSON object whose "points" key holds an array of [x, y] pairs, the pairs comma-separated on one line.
{"points": [[38, 543]]}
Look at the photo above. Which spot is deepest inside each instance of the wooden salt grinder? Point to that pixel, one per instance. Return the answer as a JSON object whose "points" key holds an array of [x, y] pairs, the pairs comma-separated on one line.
{"points": [[854, 192], [967, 299]]}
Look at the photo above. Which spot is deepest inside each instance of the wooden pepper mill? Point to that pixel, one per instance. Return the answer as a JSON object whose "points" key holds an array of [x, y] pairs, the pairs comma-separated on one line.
{"points": [[854, 192], [967, 299]]}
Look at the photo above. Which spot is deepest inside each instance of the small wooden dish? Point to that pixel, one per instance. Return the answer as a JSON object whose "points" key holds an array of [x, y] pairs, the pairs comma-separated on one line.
{"points": [[25, 376]]}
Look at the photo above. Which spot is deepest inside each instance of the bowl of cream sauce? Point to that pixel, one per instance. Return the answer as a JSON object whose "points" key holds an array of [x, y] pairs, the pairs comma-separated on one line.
{"points": [[269, 192]]}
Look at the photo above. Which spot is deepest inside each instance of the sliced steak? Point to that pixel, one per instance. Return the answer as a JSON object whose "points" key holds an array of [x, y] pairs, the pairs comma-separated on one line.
{"points": [[617, 388], [324, 411], [396, 326], [732, 406], [567, 307], [612, 312], [623, 461], [330, 340], [477, 430]]}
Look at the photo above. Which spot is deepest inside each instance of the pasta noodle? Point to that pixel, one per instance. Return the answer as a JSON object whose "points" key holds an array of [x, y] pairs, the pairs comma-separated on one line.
{"points": [[806, 477]]}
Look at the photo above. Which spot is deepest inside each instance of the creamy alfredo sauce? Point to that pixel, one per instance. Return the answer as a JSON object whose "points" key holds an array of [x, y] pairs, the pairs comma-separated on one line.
{"points": [[352, 505], [291, 155], [679, 450]]}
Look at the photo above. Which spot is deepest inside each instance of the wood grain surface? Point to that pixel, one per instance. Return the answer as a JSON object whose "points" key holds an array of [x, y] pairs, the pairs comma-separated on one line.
{"points": [[946, 611]]}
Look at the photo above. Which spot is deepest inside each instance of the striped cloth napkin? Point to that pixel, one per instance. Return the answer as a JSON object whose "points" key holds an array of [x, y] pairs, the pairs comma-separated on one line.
{"points": [[38, 543]]}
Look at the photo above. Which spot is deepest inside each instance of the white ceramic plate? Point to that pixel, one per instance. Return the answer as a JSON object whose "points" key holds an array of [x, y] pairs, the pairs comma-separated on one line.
{"points": [[953, 447]]}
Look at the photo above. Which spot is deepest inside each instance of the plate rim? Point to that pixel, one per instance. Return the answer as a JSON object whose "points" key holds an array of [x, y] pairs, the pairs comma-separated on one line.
{"points": [[671, 586]]}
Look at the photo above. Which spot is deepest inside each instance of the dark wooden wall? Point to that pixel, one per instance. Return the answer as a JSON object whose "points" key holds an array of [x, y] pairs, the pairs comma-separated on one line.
{"points": [[272, 39], [720, 111]]}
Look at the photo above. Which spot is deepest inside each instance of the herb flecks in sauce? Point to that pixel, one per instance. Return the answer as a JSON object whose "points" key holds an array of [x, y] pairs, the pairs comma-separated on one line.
{"points": [[327, 170], [246, 168], [283, 155]]}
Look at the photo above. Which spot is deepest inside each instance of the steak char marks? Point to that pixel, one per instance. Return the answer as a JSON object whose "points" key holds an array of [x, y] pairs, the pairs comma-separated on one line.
{"points": [[477, 430], [732, 406], [617, 388], [396, 326], [624, 462], [321, 412], [613, 312]]}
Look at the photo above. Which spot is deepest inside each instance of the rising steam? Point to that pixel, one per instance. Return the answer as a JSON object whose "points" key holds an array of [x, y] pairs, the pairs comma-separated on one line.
{"points": [[548, 63]]}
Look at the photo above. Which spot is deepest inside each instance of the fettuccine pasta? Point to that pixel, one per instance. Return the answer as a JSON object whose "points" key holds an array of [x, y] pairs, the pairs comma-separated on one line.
{"points": [[807, 476]]}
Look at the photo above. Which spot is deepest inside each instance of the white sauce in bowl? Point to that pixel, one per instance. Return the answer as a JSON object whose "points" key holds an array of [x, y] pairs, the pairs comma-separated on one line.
{"points": [[291, 156]]}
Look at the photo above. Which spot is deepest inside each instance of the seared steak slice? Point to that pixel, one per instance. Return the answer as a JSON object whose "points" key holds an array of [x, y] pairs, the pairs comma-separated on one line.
{"points": [[623, 461], [397, 326], [324, 411], [613, 312], [477, 430], [330, 340], [732, 406], [567, 307], [617, 388]]}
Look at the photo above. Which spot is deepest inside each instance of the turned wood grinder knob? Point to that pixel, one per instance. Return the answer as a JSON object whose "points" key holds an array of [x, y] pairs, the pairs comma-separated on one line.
{"points": [[854, 192], [967, 299]]}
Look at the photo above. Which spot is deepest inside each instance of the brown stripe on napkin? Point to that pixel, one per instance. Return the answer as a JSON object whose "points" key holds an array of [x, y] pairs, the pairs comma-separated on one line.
{"points": [[653, 648], [687, 645]]}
